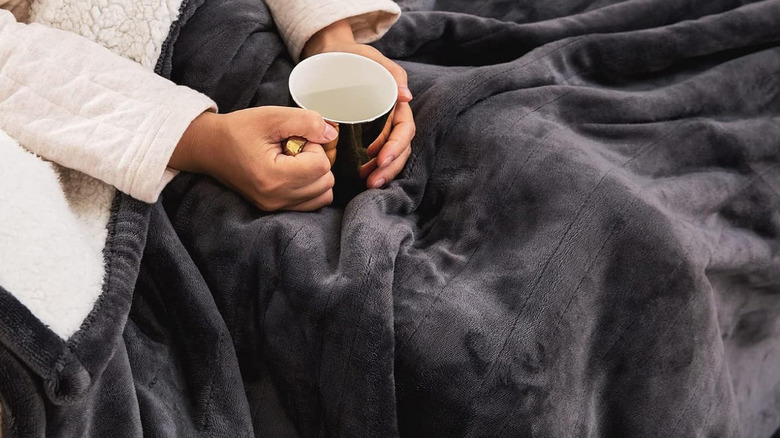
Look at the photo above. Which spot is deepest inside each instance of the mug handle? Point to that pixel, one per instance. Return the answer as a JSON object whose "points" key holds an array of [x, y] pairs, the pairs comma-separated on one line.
{"points": [[294, 145]]}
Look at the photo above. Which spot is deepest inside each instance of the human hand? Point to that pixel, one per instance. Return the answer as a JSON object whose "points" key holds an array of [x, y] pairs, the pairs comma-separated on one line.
{"points": [[388, 158], [243, 150]]}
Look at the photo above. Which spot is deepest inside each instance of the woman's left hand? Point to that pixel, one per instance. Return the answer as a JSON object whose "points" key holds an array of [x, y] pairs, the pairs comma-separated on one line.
{"points": [[388, 159]]}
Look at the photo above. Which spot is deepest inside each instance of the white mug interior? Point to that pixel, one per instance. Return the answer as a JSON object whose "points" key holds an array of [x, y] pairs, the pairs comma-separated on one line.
{"points": [[338, 75]]}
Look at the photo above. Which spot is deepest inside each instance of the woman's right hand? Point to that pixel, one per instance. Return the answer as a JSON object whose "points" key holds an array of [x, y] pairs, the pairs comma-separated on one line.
{"points": [[243, 150]]}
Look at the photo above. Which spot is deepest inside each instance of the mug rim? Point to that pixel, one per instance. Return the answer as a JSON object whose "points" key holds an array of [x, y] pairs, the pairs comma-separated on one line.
{"points": [[384, 71]]}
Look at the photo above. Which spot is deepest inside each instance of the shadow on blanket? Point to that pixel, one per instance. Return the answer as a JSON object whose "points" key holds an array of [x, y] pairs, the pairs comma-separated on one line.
{"points": [[584, 242]]}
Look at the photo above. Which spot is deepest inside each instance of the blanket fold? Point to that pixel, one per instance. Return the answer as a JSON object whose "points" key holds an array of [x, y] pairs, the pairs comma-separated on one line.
{"points": [[584, 242], [57, 387], [583, 182]]}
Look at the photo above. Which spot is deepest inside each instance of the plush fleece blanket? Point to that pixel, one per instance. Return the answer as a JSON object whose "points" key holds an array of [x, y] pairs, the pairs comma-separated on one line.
{"points": [[583, 243]]}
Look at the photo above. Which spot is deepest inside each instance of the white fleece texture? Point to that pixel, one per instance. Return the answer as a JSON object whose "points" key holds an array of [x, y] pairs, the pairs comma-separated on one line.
{"points": [[134, 29], [76, 104], [50, 259], [80, 105]]}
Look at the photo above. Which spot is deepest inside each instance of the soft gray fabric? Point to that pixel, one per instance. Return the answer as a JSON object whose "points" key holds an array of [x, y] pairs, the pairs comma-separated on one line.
{"points": [[583, 243], [82, 386]]}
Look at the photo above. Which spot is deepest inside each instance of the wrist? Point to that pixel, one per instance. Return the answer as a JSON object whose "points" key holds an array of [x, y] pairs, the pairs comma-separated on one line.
{"points": [[338, 33], [192, 151]]}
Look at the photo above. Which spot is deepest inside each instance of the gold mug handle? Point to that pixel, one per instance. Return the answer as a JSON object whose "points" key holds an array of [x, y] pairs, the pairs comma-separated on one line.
{"points": [[294, 145]]}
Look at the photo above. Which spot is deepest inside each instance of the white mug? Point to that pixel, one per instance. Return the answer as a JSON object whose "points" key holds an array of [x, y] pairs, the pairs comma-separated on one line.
{"points": [[356, 92]]}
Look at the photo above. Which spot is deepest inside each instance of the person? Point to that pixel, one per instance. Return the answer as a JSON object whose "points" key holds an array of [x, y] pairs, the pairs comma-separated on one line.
{"points": [[75, 103]]}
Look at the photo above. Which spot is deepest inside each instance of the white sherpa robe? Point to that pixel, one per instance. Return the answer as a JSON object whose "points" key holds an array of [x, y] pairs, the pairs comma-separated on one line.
{"points": [[108, 122]]}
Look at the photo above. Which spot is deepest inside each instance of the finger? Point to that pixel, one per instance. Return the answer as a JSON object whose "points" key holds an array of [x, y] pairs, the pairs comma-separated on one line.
{"points": [[366, 169], [383, 175], [399, 141], [296, 122], [330, 148], [402, 113], [306, 167], [333, 143], [289, 193], [404, 94], [331, 154], [322, 200], [301, 193], [400, 136], [376, 146]]}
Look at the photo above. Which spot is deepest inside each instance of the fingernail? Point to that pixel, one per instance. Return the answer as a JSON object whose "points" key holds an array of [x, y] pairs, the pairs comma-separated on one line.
{"points": [[379, 183], [405, 92], [387, 161], [330, 132]]}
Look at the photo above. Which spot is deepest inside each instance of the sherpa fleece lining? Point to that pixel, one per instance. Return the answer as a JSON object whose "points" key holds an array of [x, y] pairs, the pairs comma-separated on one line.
{"points": [[54, 220], [50, 255]]}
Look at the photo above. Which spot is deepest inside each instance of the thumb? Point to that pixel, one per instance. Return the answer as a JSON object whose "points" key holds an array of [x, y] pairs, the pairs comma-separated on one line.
{"points": [[296, 122], [398, 72]]}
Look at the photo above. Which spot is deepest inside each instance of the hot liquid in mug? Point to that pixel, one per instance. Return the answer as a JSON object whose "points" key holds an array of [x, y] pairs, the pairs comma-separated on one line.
{"points": [[354, 91]]}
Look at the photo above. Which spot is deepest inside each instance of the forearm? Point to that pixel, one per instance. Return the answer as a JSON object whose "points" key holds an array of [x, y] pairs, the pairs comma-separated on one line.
{"points": [[339, 32], [75, 103], [192, 149], [299, 20]]}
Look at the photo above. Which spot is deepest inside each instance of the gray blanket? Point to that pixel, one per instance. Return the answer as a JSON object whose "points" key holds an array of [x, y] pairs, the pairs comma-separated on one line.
{"points": [[583, 243]]}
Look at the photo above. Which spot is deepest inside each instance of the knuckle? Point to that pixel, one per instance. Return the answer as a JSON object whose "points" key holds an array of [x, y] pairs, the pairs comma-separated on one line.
{"points": [[399, 71], [275, 187], [263, 182], [328, 197], [314, 119], [270, 117], [266, 204], [264, 185], [323, 165], [261, 111], [370, 50], [330, 180]]}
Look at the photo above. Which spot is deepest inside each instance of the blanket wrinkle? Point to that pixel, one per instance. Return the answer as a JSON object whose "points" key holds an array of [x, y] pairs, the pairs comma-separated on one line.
{"points": [[63, 309], [584, 241], [73, 232]]}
